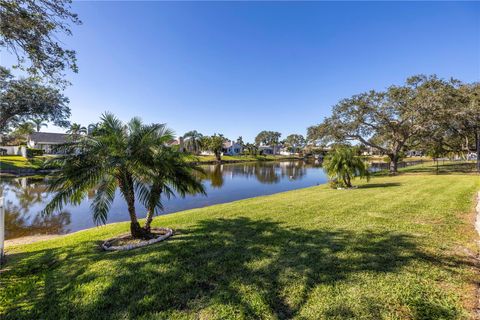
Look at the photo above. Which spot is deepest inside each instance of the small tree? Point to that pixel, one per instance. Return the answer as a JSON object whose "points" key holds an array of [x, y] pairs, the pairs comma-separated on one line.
{"points": [[295, 142], [268, 138], [214, 144], [193, 141], [76, 130], [132, 157], [251, 149], [39, 123], [22, 130], [343, 165]]}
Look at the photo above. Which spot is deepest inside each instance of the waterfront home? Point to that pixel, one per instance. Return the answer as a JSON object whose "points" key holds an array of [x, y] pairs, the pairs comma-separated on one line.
{"points": [[414, 153], [47, 141], [231, 148], [177, 142], [269, 150]]}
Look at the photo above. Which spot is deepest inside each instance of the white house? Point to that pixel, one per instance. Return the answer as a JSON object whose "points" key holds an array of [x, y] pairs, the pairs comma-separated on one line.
{"points": [[231, 148], [287, 152], [46, 141], [269, 149]]}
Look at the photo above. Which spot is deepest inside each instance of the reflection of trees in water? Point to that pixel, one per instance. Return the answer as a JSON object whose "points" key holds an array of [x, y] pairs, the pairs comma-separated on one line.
{"points": [[19, 221], [264, 172], [30, 192], [216, 176]]}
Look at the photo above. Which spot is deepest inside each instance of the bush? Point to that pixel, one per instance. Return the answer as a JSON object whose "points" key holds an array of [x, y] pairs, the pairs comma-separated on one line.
{"points": [[335, 184], [31, 152]]}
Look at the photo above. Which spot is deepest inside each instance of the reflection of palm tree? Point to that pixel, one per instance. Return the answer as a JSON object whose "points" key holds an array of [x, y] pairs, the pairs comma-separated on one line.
{"points": [[216, 176]]}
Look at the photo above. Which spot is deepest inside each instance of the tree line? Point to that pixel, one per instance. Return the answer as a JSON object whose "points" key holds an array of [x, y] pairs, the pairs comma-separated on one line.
{"points": [[427, 113]]}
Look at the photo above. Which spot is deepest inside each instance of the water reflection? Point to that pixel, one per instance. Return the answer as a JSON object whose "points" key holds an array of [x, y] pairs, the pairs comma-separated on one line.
{"points": [[264, 172], [21, 217], [26, 197]]}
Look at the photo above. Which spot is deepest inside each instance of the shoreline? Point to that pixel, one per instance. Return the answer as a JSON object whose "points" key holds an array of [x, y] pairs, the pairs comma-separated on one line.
{"points": [[25, 172]]}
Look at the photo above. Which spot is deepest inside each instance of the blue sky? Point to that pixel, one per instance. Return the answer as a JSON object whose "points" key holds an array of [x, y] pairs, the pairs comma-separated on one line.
{"points": [[241, 67]]}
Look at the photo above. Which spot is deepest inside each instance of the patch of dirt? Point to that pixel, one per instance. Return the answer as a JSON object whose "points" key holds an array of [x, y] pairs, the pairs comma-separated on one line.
{"points": [[127, 239], [29, 239]]}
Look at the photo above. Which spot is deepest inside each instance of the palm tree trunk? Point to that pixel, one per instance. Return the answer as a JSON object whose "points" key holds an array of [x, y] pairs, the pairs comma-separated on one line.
{"points": [[346, 180], [148, 222], [126, 187]]}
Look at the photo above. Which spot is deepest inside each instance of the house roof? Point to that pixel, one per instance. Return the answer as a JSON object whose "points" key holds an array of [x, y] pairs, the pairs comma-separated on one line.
{"points": [[228, 144], [48, 137]]}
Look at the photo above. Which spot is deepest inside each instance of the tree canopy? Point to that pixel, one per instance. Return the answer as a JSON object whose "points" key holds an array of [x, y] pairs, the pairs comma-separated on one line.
{"points": [[268, 138], [25, 99], [214, 144], [295, 142], [29, 29], [389, 120]]}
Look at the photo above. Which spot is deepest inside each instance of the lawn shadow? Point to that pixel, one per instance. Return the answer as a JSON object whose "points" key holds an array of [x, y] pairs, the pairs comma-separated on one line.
{"points": [[248, 265], [379, 185]]}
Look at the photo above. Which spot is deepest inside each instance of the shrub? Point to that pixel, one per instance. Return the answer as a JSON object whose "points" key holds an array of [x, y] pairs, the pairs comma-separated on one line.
{"points": [[32, 152]]}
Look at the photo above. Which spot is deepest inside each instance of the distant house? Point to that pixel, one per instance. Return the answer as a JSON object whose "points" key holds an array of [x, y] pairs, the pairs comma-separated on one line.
{"points": [[46, 141], [269, 150], [177, 142], [414, 153], [286, 151], [231, 148]]}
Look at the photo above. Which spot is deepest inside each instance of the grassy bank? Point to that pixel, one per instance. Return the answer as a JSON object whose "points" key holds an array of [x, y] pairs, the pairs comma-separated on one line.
{"points": [[20, 163], [398, 248]]}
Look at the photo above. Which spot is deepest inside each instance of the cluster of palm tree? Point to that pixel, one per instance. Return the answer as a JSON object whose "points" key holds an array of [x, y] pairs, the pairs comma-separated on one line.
{"points": [[133, 157]]}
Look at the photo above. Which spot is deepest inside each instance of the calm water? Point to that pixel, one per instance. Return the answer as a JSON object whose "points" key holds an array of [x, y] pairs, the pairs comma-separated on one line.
{"points": [[25, 197]]}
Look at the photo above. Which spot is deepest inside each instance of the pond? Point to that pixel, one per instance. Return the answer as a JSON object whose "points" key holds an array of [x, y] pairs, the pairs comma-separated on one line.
{"points": [[26, 197]]}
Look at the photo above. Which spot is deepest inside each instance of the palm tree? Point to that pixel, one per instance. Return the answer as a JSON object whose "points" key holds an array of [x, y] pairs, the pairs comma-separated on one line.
{"points": [[214, 144], [22, 130], [170, 174], [77, 129], [133, 157], [193, 141], [343, 164], [251, 149], [39, 123]]}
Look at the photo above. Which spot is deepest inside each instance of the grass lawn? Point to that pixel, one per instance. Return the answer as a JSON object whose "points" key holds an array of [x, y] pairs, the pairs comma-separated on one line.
{"points": [[397, 248], [19, 162]]}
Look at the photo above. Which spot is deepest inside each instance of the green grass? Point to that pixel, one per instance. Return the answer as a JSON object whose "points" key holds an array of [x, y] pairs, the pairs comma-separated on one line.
{"points": [[397, 248], [20, 163]]}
